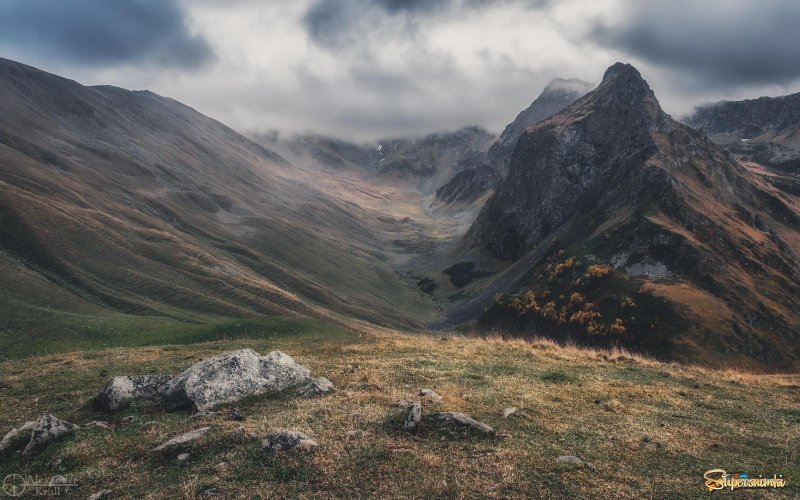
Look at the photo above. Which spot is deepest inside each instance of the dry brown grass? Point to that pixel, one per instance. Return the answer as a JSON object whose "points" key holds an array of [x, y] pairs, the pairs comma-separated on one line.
{"points": [[648, 429]]}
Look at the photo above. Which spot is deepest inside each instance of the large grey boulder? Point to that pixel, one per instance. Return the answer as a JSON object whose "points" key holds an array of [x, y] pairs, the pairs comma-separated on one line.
{"points": [[119, 391], [232, 376], [37, 434], [286, 441]]}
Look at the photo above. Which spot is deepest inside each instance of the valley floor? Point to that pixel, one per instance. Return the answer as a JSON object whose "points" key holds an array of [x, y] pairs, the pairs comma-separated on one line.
{"points": [[643, 429]]}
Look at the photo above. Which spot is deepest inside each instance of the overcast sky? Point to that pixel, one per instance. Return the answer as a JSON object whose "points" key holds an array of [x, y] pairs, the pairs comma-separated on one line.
{"points": [[367, 69]]}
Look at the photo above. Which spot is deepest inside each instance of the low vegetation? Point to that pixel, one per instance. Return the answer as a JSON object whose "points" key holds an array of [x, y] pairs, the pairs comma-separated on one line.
{"points": [[642, 428]]}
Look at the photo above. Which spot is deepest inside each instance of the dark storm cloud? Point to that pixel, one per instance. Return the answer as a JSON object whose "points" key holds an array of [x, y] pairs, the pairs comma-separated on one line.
{"points": [[338, 22], [724, 43], [102, 33]]}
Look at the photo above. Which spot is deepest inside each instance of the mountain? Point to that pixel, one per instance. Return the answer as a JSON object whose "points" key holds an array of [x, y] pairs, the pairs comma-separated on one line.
{"points": [[469, 185], [622, 225], [423, 163], [557, 95], [765, 130], [113, 201]]}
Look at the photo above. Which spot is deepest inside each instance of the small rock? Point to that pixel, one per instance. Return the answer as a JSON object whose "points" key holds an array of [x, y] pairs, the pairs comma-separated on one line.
{"points": [[222, 466], [57, 480], [572, 459], [46, 429], [509, 411], [464, 421], [430, 395], [236, 415], [232, 376], [287, 440], [413, 416], [316, 387], [183, 457], [119, 391], [183, 441], [98, 423], [129, 419], [100, 495]]}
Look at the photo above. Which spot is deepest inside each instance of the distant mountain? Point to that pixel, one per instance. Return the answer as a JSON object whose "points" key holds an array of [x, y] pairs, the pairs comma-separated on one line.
{"points": [[625, 226], [765, 130], [424, 163], [129, 201], [474, 183], [557, 95]]}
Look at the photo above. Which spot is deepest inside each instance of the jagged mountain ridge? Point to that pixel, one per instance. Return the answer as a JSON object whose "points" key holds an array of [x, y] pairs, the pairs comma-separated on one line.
{"points": [[765, 130], [612, 178]]}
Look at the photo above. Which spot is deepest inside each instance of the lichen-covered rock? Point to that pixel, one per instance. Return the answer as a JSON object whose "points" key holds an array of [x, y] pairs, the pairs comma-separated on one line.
{"points": [[316, 387], [571, 459], [47, 428], [413, 416], [286, 441], [182, 441], [232, 376], [119, 391], [462, 421], [15, 439]]}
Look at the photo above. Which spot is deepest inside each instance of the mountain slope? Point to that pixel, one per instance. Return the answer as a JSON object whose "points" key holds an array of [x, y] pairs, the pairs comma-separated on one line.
{"points": [[670, 244], [136, 203]]}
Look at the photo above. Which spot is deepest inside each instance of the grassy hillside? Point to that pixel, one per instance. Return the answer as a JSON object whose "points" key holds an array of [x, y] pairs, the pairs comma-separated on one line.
{"points": [[644, 429]]}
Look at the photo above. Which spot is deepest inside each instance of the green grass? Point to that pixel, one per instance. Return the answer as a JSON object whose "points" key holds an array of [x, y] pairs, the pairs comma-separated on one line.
{"points": [[79, 332]]}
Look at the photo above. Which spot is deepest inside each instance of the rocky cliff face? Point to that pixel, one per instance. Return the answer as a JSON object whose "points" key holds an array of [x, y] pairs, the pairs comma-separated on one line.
{"points": [[612, 186], [765, 130], [557, 95]]}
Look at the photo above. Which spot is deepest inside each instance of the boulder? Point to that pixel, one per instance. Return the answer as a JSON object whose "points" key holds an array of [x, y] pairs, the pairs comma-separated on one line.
{"points": [[462, 421], [119, 391], [570, 459], [286, 441], [232, 376], [413, 416], [182, 441], [15, 439], [316, 387], [47, 428]]}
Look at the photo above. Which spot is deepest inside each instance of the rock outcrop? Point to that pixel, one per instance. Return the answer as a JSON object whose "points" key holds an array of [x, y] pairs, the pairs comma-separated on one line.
{"points": [[119, 391], [232, 376], [35, 435], [287, 441], [317, 387]]}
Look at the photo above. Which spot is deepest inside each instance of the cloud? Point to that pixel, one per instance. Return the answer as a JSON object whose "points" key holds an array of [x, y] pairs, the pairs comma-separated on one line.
{"points": [[337, 23], [725, 43], [102, 33]]}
